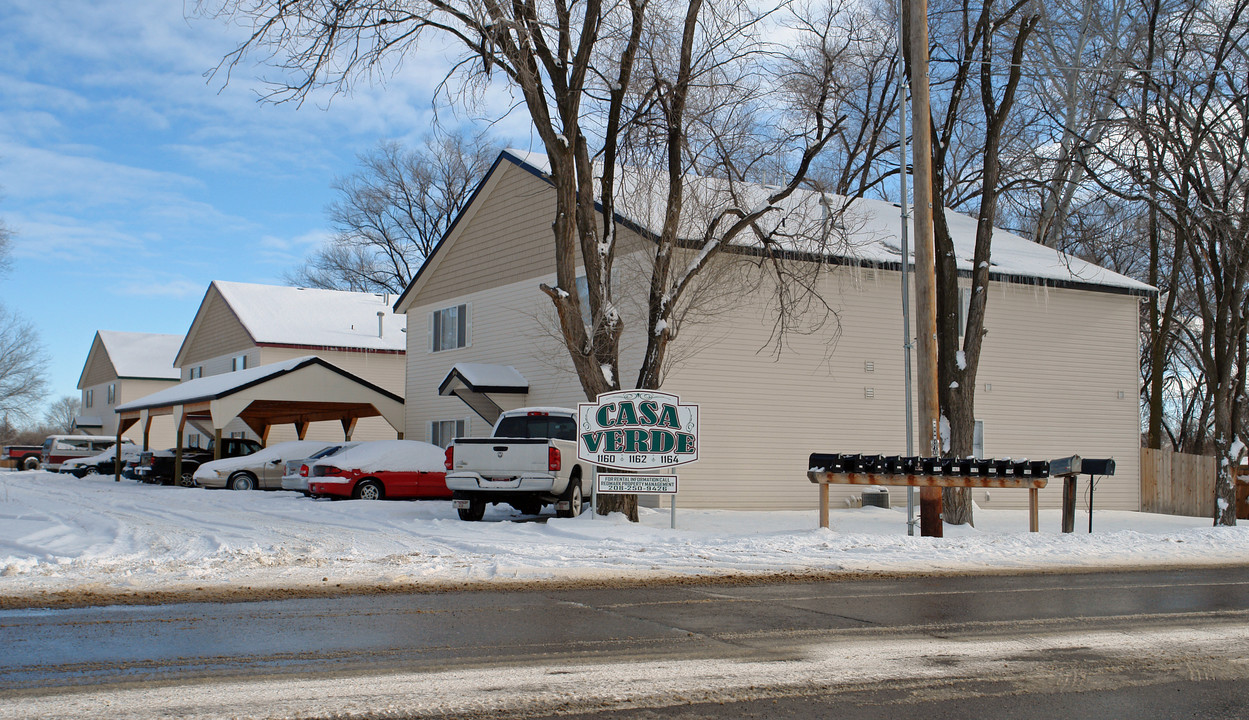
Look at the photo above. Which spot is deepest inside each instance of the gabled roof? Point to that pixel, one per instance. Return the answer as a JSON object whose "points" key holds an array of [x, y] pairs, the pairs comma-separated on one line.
{"points": [[214, 387], [309, 317], [147, 356], [820, 225]]}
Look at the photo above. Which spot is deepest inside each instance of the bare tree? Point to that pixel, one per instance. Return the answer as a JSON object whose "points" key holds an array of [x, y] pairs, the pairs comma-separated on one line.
{"points": [[678, 88], [1183, 149], [391, 213], [982, 46], [62, 414], [22, 364]]}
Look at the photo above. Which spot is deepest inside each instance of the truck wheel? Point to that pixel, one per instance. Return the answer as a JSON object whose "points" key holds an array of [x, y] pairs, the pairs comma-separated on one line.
{"points": [[30, 463], [475, 511], [242, 481], [573, 496], [370, 490]]}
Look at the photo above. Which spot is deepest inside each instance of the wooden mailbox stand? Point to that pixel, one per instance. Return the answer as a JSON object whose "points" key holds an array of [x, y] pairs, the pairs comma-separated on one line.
{"points": [[1032, 483]]}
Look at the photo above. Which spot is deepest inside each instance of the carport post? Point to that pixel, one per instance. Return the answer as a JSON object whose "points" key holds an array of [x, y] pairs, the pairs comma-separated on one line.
{"points": [[177, 455], [216, 443], [117, 454]]}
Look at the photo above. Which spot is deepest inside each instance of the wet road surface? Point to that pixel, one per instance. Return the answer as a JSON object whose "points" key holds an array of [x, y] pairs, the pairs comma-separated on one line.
{"points": [[922, 645]]}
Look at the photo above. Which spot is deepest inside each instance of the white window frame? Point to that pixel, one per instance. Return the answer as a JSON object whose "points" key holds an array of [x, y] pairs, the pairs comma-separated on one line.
{"points": [[464, 309], [964, 308], [461, 428]]}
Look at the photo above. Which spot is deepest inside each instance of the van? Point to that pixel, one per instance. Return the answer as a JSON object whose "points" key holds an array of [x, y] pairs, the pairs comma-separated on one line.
{"points": [[59, 448]]}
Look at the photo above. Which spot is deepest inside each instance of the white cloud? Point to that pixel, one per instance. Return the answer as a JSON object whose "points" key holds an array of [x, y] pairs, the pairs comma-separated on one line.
{"points": [[165, 287]]}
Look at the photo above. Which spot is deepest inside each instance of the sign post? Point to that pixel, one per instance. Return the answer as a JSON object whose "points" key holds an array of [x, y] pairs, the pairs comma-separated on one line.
{"points": [[636, 431]]}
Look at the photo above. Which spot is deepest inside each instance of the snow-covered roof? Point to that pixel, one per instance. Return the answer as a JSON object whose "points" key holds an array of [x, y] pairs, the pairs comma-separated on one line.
{"points": [[483, 377], [392, 455], [142, 355], [275, 314], [215, 386], [858, 230]]}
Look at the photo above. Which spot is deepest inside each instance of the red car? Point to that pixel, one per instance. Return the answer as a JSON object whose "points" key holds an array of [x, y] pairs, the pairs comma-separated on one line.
{"points": [[382, 470]]}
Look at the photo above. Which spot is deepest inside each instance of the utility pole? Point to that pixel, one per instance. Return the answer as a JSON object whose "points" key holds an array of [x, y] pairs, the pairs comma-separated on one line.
{"points": [[925, 260]]}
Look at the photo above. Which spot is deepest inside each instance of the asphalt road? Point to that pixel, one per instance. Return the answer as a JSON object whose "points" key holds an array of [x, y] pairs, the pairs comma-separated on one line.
{"points": [[1148, 644]]}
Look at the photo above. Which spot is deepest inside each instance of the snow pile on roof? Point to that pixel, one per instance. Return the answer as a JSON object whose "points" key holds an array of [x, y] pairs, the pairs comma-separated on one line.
{"points": [[486, 375], [62, 533], [866, 231], [273, 314], [389, 455], [142, 355], [293, 450], [215, 386]]}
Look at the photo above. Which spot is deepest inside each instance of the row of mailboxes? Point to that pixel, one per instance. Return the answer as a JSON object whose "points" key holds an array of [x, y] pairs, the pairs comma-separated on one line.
{"points": [[914, 465]]}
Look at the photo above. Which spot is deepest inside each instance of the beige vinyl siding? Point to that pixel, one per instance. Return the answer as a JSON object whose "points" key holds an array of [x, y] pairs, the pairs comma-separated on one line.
{"points": [[508, 236], [1056, 360], [386, 370], [99, 368], [162, 434], [215, 333]]}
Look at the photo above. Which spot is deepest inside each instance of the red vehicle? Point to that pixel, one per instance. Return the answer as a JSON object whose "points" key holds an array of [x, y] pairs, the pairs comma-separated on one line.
{"points": [[382, 470]]}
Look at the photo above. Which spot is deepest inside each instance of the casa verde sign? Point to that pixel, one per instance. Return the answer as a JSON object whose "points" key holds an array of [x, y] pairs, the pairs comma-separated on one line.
{"points": [[637, 430]]}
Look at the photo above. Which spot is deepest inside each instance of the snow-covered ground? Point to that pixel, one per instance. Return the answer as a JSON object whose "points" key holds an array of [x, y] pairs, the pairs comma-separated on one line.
{"points": [[62, 534]]}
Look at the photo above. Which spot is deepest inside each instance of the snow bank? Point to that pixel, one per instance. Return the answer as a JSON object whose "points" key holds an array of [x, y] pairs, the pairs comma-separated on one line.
{"points": [[380, 455], [58, 532]]}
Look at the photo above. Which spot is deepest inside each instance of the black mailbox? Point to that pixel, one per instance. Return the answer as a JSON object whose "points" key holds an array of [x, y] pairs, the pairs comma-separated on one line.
{"points": [[1097, 466]]}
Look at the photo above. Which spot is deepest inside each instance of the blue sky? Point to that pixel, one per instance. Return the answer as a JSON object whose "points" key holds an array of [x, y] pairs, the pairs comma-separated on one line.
{"points": [[132, 181]]}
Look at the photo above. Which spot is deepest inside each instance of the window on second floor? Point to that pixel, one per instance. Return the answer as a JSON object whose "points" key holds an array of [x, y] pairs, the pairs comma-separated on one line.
{"points": [[88, 398], [112, 394], [238, 362], [196, 372], [449, 328]]}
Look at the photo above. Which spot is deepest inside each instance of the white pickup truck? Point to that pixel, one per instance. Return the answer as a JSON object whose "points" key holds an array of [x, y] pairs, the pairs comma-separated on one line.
{"points": [[530, 460]]}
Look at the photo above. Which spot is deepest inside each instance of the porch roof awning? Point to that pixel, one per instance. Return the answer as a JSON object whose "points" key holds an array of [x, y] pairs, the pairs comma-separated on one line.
{"points": [[474, 383]]}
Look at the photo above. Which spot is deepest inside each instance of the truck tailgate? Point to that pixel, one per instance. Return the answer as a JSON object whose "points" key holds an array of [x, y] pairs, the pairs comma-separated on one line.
{"points": [[501, 457]]}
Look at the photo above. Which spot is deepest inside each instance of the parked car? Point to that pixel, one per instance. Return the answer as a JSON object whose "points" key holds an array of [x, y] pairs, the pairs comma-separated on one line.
{"points": [[298, 471], [382, 469], [262, 470], [22, 457], [530, 460], [102, 464], [158, 466], [59, 448]]}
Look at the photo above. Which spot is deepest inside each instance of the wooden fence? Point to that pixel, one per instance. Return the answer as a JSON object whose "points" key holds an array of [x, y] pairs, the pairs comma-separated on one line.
{"points": [[1177, 484]]}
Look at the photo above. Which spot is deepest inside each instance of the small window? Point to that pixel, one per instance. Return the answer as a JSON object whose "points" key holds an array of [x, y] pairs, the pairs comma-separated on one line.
{"points": [[197, 372], [977, 440], [964, 307], [193, 441], [449, 328], [112, 393], [89, 399], [238, 362], [239, 434], [442, 432]]}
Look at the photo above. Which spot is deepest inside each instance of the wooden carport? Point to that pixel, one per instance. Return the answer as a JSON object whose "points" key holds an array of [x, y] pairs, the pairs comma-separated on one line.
{"points": [[295, 392]]}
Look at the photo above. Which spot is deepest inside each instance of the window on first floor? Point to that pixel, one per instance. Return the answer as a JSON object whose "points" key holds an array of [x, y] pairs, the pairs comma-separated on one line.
{"points": [[449, 328], [442, 432], [977, 440]]}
